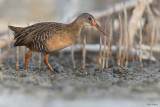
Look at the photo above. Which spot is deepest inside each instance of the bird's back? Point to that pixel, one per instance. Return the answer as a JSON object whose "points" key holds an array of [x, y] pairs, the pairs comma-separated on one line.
{"points": [[35, 35], [24, 36], [44, 37]]}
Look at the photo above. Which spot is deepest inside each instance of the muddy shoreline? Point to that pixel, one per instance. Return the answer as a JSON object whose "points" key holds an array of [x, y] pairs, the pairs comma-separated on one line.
{"points": [[130, 84]]}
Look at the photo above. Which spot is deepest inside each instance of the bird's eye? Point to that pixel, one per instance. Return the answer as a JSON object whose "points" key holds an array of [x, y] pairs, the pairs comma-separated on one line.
{"points": [[89, 18]]}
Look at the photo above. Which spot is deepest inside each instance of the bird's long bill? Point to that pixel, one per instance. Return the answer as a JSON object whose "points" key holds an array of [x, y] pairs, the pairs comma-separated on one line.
{"points": [[99, 28]]}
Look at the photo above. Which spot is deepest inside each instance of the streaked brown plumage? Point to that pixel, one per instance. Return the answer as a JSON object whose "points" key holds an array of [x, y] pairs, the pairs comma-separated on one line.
{"points": [[49, 37]]}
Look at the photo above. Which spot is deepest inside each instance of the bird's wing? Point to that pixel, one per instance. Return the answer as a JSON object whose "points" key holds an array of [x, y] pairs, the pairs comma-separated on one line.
{"points": [[39, 32]]}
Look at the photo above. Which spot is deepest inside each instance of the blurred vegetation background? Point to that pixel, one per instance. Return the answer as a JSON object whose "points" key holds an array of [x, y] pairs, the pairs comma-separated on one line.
{"points": [[20, 12]]}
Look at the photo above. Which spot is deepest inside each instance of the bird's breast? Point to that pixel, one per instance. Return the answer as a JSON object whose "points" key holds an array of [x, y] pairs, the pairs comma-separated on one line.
{"points": [[58, 42]]}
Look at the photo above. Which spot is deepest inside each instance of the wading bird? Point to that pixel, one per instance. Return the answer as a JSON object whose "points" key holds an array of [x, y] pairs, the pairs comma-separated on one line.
{"points": [[49, 37]]}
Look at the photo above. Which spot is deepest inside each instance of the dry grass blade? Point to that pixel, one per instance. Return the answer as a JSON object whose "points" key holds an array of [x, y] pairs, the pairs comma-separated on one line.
{"points": [[120, 41], [152, 39], [157, 38], [136, 16], [84, 53], [104, 21], [72, 56], [140, 45], [23, 53], [127, 35], [157, 32], [128, 49], [17, 57], [100, 52], [152, 27], [32, 57], [136, 53], [109, 44], [104, 52], [20, 51], [111, 53]]}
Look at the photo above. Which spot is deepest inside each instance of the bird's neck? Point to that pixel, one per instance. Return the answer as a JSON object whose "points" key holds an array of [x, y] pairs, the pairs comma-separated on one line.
{"points": [[75, 27], [77, 23]]}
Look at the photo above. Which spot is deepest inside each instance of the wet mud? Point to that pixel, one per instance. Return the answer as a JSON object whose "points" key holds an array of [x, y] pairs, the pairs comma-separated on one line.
{"points": [[39, 87]]}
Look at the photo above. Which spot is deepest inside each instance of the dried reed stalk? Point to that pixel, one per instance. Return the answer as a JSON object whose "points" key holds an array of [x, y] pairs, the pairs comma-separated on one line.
{"points": [[157, 38], [111, 53], [128, 49], [127, 35], [120, 41], [136, 16], [103, 21], [72, 56], [125, 38], [104, 44], [100, 52], [20, 51], [23, 52], [109, 43], [122, 62], [153, 30], [84, 52], [94, 48], [157, 33], [125, 45], [151, 46], [104, 52], [140, 45], [32, 57], [72, 53], [17, 57], [136, 53]]}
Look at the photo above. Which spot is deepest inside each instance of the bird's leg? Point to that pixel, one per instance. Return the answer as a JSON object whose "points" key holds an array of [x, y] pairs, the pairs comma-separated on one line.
{"points": [[46, 62], [26, 58]]}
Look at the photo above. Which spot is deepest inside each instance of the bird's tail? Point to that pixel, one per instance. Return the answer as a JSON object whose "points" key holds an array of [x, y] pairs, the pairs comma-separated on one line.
{"points": [[16, 30]]}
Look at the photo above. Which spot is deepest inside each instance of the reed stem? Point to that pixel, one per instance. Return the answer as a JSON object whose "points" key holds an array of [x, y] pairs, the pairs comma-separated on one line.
{"points": [[17, 57], [72, 56], [84, 52]]}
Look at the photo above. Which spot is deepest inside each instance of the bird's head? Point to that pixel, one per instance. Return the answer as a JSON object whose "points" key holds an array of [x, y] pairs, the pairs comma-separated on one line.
{"points": [[88, 20]]}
